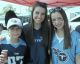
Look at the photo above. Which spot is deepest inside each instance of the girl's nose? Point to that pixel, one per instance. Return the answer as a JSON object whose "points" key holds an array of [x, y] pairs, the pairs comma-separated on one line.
{"points": [[39, 16]]}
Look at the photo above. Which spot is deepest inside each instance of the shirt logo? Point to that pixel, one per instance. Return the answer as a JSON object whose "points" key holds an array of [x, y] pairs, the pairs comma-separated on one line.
{"points": [[38, 40], [62, 56]]}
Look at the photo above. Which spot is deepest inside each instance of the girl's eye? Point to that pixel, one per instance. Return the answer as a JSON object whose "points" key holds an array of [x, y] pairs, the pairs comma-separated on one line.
{"points": [[43, 13], [37, 12], [60, 19]]}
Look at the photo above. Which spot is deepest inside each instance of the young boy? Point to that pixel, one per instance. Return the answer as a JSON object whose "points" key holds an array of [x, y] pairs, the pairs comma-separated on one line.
{"points": [[14, 45]]}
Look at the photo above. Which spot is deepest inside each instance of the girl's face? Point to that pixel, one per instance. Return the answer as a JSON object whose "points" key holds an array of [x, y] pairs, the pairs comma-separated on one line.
{"points": [[39, 15], [57, 20], [14, 32]]}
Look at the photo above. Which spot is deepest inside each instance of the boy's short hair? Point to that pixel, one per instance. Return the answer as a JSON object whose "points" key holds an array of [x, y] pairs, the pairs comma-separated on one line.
{"points": [[14, 21]]}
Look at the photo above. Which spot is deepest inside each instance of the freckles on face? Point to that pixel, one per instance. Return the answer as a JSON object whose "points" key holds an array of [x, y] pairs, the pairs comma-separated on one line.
{"points": [[39, 14], [57, 20]]}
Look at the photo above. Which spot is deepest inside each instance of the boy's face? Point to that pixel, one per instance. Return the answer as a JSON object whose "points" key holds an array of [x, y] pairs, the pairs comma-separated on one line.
{"points": [[14, 32]]}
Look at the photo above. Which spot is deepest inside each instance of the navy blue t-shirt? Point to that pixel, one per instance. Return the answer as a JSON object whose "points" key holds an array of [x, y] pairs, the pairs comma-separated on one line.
{"points": [[38, 53], [15, 51]]}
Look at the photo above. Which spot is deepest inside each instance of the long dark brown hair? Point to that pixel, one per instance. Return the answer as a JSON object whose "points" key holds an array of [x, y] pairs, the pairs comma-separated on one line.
{"points": [[43, 5], [67, 37], [44, 29], [44, 24]]}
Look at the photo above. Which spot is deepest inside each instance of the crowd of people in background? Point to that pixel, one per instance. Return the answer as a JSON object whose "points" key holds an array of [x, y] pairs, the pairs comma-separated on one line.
{"points": [[41, 41]]}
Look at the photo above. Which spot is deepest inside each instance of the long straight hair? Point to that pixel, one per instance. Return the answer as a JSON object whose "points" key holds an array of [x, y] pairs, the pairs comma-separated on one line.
{"points": [[67, 37], [44, 24]]}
